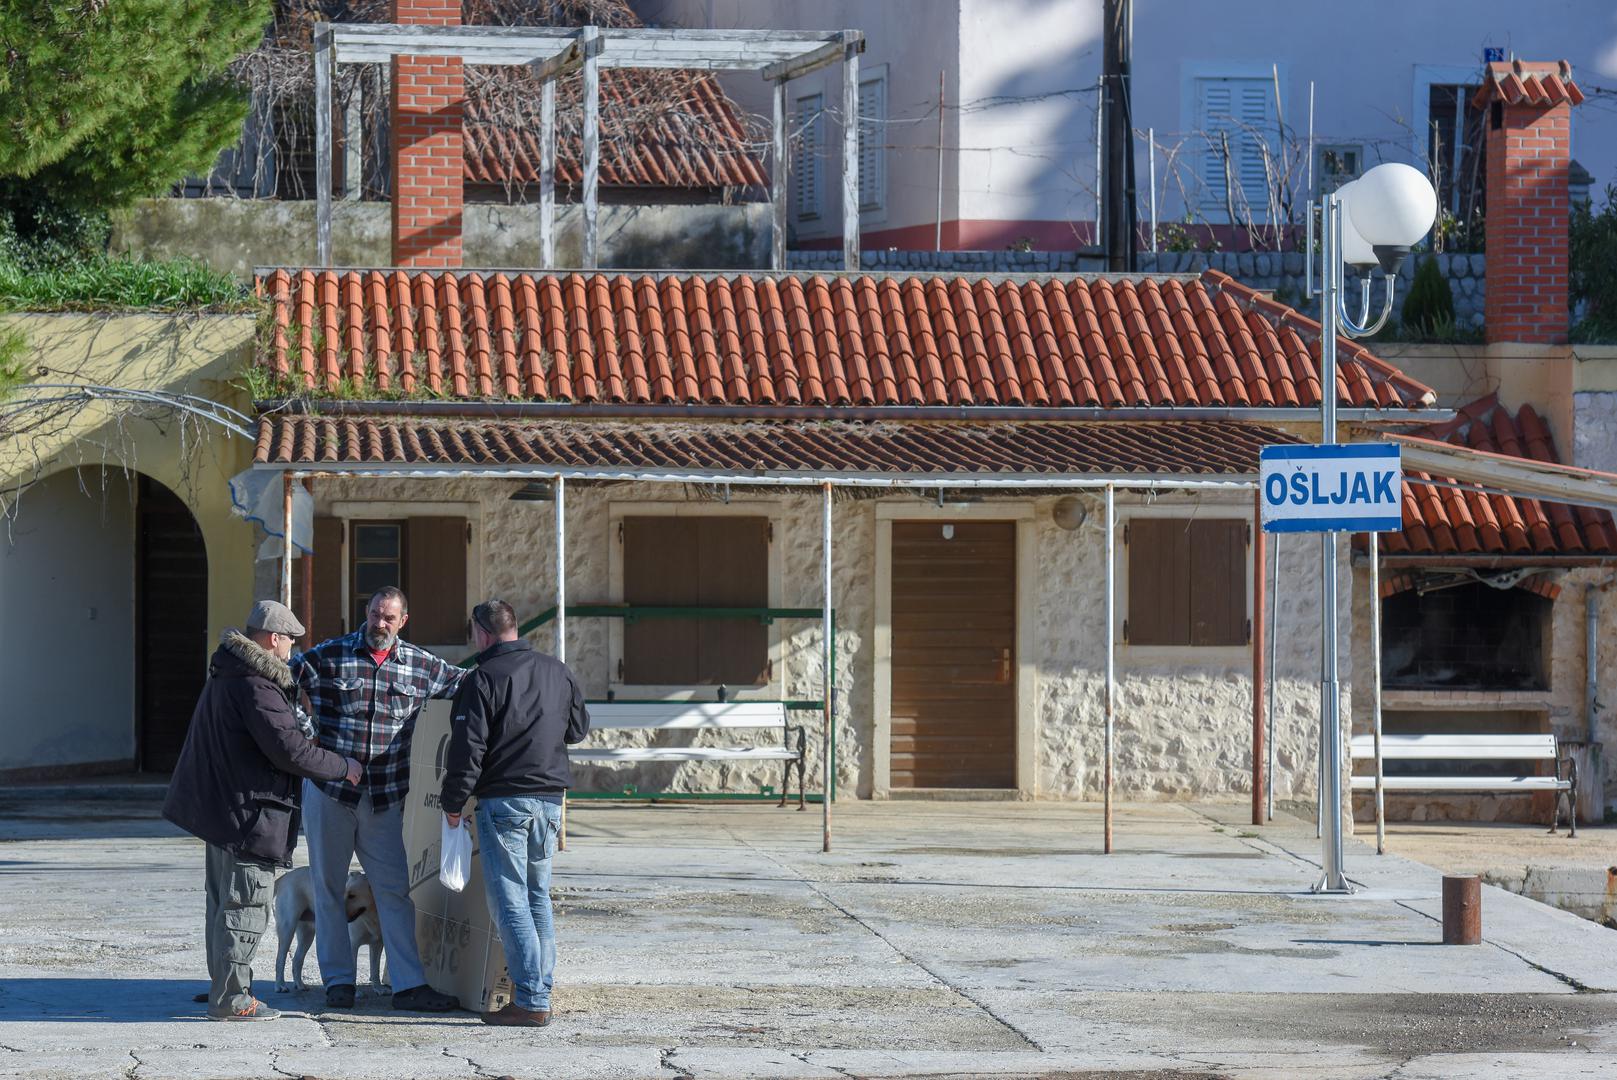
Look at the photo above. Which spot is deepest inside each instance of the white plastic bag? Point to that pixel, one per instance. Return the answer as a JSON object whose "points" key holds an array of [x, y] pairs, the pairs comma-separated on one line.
{"points": [[455, 856]]}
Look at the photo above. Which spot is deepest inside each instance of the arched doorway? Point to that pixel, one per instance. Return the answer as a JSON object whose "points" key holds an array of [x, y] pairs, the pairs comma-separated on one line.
{"points": [[171, 624]]}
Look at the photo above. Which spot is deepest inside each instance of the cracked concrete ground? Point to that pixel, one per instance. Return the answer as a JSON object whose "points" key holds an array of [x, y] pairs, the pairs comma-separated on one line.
{"points": [[941, 939]]}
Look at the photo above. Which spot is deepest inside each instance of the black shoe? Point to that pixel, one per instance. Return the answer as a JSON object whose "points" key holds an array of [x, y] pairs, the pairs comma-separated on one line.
{"points": [[424, 998], [340, 996]]}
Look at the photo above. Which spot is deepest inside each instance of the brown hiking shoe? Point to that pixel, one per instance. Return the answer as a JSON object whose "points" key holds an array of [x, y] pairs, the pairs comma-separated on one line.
{"points": [[253, 1010], [514, 1015]]}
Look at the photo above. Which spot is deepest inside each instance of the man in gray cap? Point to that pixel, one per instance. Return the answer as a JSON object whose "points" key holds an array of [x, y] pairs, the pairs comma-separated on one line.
{"points": [[236, 788]]}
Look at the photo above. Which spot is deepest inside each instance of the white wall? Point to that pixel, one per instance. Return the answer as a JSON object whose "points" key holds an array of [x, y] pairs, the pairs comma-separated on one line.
{"points": [[1022, 73], [69, 678]]}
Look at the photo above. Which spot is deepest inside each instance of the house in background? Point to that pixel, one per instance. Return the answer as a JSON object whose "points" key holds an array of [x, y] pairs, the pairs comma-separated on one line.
{"points": [[1384, 81]]}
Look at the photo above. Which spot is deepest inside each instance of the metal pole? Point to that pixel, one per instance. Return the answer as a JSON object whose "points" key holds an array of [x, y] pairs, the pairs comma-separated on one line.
{"points": [[827, 690], [559, 497], [1151, 137], [850, 152], [1259, 603], [1274, 639], [937, 236], [322, 144], [1100, 151], [1310, 149], [547, 175], [589, 37], [777, 182], [1375, 684], [286, 540], [1333, 879], [1111, 652]]}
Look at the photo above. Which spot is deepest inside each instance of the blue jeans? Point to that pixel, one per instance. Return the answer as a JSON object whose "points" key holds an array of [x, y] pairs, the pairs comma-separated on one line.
{"points": [[516, 837]]}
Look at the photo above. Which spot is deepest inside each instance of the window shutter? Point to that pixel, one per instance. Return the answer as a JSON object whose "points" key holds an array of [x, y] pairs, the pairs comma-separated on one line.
{"points": [[1159, 582], [732, 571], [806, 169], [872, 143], [326, 621], [435, 580], [1242, 111], [1217, 582], [659, 568]]}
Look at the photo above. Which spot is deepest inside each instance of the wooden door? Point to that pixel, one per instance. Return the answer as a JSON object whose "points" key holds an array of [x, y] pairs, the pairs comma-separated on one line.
{"points": [[954, 655], [171, 617]]}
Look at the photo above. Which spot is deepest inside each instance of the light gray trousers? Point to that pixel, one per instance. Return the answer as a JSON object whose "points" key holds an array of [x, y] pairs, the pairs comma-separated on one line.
{"points": [[336, 834]]}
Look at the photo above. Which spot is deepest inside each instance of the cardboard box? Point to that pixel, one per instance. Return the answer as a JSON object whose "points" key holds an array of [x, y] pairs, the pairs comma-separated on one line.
{"points": [[461, 952]]}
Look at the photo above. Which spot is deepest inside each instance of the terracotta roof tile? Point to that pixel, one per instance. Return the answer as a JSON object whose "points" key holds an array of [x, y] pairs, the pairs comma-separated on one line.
{"points": [[1442, 518], [1516, 82], [836, 341], [1208, 448]]}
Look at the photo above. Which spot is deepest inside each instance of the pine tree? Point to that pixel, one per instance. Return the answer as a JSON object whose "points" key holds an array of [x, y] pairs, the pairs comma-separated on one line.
{"points": [[105, 101]]}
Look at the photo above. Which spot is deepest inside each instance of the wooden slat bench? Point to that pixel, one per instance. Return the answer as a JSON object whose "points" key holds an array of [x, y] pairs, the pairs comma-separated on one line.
{"points": [[696, 715], [1474, 748]]}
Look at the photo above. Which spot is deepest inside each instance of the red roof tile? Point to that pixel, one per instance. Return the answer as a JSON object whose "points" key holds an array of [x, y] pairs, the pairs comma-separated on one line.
{"points": [[673, 129], [1440, 519], [1516, 82], [1208, 448], [832, 341]]}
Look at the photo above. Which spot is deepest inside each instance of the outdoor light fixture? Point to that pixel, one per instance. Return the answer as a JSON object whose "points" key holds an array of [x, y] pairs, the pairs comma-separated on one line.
{"points": [[1387, 211], [1069, 513], [948, 532]]}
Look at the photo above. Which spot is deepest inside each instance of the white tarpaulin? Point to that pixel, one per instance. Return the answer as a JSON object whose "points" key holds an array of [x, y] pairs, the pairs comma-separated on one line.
{"points": [[259, 497]]}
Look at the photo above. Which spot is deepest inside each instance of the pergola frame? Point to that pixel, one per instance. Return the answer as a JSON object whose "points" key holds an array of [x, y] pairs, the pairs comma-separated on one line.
{"points": [[826, 481], [551, 52]]}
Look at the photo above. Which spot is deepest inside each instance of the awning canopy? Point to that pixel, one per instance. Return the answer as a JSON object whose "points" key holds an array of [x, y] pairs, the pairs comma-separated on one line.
{"points": [[1211, 453]]}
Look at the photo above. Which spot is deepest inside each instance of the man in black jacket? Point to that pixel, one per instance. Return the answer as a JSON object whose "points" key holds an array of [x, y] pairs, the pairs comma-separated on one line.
{"points": [[513, 718], [236, 788]]}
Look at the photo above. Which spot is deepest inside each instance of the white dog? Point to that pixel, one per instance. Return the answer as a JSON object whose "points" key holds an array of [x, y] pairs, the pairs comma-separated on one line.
{"points": [[294, 917]]}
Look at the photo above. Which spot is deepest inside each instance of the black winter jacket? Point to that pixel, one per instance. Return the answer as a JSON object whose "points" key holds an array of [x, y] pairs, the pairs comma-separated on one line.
{"points": [[238, 779], [513, 718]]}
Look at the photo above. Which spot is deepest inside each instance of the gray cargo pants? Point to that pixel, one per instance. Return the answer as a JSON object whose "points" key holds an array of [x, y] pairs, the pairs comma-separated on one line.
{"points": [[239, 895]]}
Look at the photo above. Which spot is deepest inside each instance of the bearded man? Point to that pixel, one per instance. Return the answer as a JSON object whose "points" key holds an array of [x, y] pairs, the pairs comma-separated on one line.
{"points": [[366, 690]]}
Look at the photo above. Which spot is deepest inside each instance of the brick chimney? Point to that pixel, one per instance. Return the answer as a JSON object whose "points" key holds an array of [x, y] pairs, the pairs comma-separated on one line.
{"points": [[428, 104], [1529, 152]]}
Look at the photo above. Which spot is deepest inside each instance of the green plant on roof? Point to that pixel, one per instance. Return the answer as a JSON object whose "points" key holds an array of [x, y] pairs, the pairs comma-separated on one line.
{"points": [[1430, 304], [115, 283]]}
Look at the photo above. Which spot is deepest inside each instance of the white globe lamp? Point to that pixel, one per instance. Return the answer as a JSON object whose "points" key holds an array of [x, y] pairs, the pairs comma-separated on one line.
{"points": [[1356, 250], [1393, 207]]}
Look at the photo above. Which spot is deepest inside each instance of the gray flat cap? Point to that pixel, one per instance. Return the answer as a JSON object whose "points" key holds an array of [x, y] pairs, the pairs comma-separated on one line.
{"points": [[274, 618]]}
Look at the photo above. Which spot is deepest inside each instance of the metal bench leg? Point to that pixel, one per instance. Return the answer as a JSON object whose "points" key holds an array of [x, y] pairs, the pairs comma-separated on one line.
{"points": [[802, 758]]}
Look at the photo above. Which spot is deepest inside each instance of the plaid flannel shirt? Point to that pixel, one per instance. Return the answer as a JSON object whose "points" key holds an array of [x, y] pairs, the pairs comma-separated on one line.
{"points": [[367, 711]]}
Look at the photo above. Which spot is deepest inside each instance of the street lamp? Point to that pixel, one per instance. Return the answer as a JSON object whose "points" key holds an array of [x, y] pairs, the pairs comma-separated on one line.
{"points": [[1369, 223]]}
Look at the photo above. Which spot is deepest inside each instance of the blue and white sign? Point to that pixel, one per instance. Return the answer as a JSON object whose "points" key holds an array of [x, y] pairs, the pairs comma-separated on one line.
{"points": [[1346, 487]]}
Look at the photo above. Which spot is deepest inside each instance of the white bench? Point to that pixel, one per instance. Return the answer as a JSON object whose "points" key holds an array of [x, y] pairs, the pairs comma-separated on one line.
{"points": [[1473, 748], [693, 715]]}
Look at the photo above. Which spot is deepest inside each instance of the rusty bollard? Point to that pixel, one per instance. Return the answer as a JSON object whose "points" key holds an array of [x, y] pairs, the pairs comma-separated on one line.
{"points": [[1462, 909]]}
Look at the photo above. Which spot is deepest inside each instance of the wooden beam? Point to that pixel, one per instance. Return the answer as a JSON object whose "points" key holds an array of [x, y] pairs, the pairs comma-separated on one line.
{"points": [[1508, 475], [805, 63], [322, 143], [852, 41], [592, 146], [547, 176], [710, 50], [559, 64], [779, 171]]}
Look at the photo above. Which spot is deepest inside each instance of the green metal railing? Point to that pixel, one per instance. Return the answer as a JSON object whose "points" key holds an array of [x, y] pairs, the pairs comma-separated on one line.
{"points": [[632, 613]]}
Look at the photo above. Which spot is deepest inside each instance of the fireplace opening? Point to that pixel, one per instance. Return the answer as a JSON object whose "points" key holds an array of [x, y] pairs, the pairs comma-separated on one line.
{"points": [[1465, 637]]}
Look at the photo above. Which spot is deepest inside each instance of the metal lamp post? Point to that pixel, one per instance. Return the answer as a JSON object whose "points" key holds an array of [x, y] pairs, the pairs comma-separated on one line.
{"points": [[1373, 221]]}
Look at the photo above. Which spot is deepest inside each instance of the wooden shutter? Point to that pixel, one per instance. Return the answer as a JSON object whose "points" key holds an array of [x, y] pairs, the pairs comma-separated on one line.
{"points": [[660, 568], [1158, 581], [435, 580], [872, 143], [806, 167], [326, 620], [732, 571], [1241, 111], [1218, 582]]}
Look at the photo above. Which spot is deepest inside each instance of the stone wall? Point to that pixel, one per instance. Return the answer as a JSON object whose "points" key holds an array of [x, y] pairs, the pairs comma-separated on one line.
{"points": [[1183, 722], [1594, 430], [236, 235], [1270, 271]]}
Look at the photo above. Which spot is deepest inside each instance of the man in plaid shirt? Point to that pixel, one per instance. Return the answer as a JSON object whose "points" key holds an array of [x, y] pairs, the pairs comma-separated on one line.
{"points": [[366, 690]]}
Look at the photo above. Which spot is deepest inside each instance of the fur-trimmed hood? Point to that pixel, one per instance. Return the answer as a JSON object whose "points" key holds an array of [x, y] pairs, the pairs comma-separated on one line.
{"points": [[259, 660]]}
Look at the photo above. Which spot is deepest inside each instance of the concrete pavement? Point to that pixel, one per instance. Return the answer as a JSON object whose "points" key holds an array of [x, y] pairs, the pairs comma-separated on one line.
{"points": [[937, 939]]}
